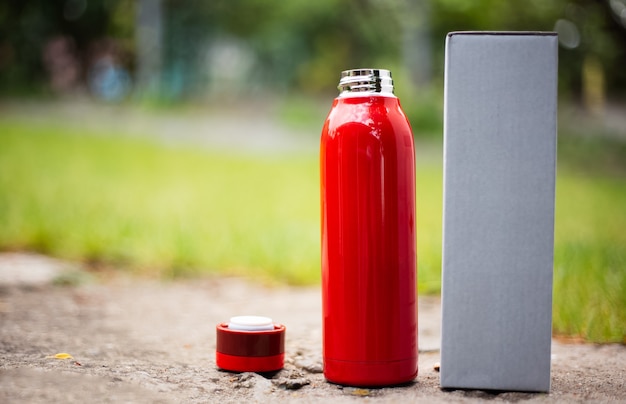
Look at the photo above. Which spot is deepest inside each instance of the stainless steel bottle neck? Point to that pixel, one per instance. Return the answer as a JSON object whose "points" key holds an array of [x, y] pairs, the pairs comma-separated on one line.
{"points": [[359, 82]]}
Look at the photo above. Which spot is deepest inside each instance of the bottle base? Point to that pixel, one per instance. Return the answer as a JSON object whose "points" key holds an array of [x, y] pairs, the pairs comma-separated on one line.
{"points": [[370, 374]]}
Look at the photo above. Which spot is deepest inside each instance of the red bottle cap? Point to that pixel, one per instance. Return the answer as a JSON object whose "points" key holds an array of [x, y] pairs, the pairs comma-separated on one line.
{"points": [[250, 344]]}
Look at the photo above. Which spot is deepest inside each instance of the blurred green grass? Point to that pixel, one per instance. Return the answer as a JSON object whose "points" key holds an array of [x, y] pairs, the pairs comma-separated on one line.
{"points": [[590, 257], [177, 211], [157, 210]]}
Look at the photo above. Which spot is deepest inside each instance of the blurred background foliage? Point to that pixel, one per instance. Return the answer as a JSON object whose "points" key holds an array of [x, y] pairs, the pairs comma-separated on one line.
{"points": [[80, 79], [189, 50]]}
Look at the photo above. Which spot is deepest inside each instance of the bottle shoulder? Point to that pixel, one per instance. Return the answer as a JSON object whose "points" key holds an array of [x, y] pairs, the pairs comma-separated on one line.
{"points": [[367, 110], [376, 116], [373, 99]]}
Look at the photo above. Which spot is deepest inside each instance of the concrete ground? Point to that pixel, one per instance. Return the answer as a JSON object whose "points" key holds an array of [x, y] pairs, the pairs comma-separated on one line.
{"points": [[139, 340]]}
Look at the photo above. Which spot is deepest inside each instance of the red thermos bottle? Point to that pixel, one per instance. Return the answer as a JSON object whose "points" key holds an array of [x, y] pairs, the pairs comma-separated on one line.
{"points": [[367, 167]]}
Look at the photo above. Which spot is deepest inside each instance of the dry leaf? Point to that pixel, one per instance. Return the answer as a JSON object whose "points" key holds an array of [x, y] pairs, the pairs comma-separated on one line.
{"points": [[361, 392], [61, 355]]}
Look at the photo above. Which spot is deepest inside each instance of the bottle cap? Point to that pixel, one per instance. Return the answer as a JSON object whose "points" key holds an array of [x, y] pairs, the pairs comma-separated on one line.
{"points": [[250, 344]]}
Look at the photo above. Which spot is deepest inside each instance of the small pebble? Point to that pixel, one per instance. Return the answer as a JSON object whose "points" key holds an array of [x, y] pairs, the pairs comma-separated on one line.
{"points": [[292, 384], [291, 380], [309, 365]]}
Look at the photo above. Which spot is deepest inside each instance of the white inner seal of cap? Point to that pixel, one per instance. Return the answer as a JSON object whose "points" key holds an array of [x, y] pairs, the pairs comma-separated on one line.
{"points": [[250, 323]]}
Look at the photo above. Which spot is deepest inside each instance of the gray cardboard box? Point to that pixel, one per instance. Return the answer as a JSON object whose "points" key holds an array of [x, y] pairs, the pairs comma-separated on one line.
{"points": [[499, 184]]}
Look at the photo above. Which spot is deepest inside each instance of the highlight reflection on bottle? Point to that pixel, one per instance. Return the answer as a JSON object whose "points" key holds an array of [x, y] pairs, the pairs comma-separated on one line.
{"points": [[367, 169]]}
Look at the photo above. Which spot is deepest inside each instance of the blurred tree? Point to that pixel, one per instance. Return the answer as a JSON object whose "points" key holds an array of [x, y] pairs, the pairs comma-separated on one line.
{"points": [[301, 45], [149, 40], [587, 28], [40, 38], [304, 44]]}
